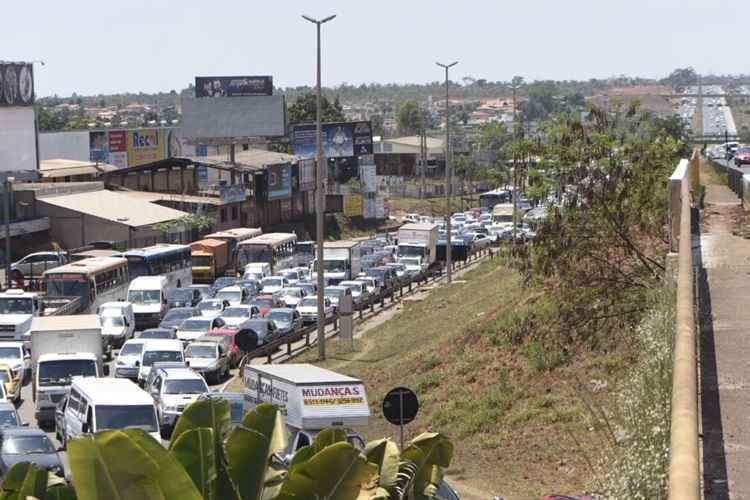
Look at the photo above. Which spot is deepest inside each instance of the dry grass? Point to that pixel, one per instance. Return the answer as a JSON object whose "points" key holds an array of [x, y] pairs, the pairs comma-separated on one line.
{"points": [[709, 175], [432, 206]]}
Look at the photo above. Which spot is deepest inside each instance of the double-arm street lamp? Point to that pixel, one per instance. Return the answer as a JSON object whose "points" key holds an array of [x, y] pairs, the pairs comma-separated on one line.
{"points": [[448, 174]]}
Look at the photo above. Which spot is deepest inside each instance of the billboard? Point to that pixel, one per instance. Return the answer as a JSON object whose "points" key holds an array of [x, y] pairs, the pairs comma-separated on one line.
{"points": [[98, 147], [232, 194], [368, 177], [118, 148], [16, 84], [279, 181], [232, 86], [234, 117], [340, 140], [145, 145]]}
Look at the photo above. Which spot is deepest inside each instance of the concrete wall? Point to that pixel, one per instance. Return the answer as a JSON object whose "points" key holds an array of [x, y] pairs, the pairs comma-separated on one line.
{"points": [[69, 145], [17, 139]]}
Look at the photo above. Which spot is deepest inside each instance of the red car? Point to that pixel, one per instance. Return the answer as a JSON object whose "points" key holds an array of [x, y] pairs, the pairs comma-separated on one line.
{"points": [[226, 336], [742, 157], [266, 302]]}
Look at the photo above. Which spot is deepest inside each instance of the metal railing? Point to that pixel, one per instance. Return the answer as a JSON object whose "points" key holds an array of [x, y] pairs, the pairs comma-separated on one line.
{"points": [[684, 458]]}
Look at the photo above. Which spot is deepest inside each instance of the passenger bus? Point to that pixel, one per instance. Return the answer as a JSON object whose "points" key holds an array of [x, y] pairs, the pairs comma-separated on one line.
{"points": [[502, 213], [163, 259], [95, 280], [276, 249], [233, 237], [491, 198]]}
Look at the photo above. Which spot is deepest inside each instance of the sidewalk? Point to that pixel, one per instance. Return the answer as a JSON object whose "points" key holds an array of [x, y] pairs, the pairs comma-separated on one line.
{"points": [[722, 262]]}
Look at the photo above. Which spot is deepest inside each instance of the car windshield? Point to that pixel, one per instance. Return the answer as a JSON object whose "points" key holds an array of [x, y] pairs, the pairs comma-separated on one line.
{"points": [[354, 287], [236, 312], [181, 295], [156, 333], [333, 292], [113, 321], [151, 357], [410, 262], [131, 349], [10, 353], [16, 306], [272, 282], [291, 292], [59, 372], [200, 351], [290, 275], [264, 302], [25, 445], [176, 315], [9, 418], [4, 376], [224, 282], [231, 296], [126, 417], [284, 316], [144, 296], [309, 302], [195, 325], [209, 306], [187, 386]]}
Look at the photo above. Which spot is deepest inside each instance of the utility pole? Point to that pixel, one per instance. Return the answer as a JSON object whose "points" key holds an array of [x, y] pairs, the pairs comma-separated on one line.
{"points": [[8, 188], [423, 154], [448, 173], [320, 174], [515, 85]]}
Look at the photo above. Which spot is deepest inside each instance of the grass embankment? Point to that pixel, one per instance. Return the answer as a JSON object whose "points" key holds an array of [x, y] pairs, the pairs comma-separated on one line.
{"points": [[520, 430], [432, 206], [710, 175]]}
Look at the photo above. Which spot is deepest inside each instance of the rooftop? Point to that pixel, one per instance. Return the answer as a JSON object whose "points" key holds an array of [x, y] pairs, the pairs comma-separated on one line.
{"points": [[113, 391], [59, 167], [254, 159]]}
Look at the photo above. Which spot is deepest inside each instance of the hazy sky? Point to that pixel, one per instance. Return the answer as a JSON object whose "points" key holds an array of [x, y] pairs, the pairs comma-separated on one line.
{"points": [[92, 47]]}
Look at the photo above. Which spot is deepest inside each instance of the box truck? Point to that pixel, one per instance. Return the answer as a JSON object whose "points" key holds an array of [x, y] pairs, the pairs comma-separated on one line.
{"points": [[209, 260], [341, 261], [419, 241]]}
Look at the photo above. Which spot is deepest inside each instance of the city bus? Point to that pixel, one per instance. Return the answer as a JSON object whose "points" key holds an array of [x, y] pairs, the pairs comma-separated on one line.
{"points": [[164, 259], [233, 237], [491, 198], [95, 280], [276, 249]]}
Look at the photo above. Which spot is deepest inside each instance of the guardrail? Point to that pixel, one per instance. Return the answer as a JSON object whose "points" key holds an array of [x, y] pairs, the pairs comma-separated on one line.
{"points": [[364, 312], [684, 459], [735, 176]]}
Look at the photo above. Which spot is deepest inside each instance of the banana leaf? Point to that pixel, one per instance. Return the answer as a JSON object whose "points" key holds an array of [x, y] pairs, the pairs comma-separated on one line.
{"points": [[60, 492], [385, 454], [23, 480], [336, 473], [324, 438], [249, 449], [174, 480], [111, 465], [210, 413], [430, 452], [195, 450]]}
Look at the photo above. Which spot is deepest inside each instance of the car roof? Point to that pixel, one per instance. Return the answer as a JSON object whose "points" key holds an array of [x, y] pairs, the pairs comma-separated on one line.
{"points": [[147, 282], [161, 344], [135, 341], [181, 373], [111, 391], [11, 344], [282, 309], [23, 431]]}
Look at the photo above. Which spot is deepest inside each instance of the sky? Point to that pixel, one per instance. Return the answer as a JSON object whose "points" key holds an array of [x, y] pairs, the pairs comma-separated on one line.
{"points": [[103, 47]]}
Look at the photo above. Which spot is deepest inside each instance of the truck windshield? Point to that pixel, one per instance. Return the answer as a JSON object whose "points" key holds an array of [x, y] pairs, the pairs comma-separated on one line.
{"points": [[126, 417], [412, 250], [201, 260], [16, 306], [187, 386], [151, 357], [334, 266], [409, 261], [144, 296], [10, 353], [59, 372]]}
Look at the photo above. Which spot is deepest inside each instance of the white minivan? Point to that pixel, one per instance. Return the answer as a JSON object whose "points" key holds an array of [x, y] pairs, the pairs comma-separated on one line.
{"points": [[155, 350], [97, 404], [148, 294], [116, 328]]}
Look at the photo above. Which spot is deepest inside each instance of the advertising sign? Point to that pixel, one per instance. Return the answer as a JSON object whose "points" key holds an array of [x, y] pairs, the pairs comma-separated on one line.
{"points": [[119, 160], [16, 84], [145, 145], [232, 194], [118, 141], [367, 174], [353, 205], [233, 86], [279, 181], [232, 117], [98, 146], [340, 140], [306, 175]]}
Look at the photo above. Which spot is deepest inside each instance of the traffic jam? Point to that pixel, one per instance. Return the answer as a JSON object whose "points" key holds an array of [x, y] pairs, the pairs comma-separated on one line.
{"points": [[119, 339]]}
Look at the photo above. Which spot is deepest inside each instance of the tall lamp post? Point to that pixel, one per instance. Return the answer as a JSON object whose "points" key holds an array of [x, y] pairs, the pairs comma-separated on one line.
{"points": [[320, 174], [448, 174]]}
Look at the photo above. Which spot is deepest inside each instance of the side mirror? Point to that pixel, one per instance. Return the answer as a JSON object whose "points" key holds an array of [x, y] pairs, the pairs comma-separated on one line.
{"points": [[137, 364]]}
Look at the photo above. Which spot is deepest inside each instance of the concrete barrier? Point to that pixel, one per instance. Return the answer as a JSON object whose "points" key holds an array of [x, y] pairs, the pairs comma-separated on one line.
{"points": [[684, 459]]}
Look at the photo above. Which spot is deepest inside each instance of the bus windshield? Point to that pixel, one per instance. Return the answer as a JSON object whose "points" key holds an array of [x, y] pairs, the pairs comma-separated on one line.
{"points": [[66, 287], [255, 253], [137, 266]]}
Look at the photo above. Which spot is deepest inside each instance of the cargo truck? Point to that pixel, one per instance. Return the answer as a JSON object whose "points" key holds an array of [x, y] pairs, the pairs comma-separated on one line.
{"points": [[310, 399], [209, 260], [341, 261], [419, 241], [18, 307], [62, 347]]}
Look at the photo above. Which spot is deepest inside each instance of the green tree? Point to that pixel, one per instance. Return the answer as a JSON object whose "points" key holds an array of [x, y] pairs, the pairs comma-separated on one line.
{"points": [[681, 78], [304, 110], [377, 124], [409, 118]]}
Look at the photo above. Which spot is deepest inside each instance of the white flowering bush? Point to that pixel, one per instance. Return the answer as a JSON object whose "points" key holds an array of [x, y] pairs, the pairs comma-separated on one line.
{"points": [[639, 466]]}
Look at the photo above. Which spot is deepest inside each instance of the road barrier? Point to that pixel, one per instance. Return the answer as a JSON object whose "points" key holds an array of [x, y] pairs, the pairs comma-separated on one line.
{"points": [[684, 459]]}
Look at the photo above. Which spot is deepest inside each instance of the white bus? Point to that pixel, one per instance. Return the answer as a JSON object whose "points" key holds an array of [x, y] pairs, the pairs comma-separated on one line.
{"points": [[95, 280], [165, 259], [276, 249], [234, 236]]}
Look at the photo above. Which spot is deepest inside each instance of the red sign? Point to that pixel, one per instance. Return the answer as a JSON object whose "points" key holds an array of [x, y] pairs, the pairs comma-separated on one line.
{"points": [[118, 142]]}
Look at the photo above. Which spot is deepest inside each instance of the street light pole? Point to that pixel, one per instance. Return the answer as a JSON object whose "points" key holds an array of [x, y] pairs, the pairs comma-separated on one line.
{"points": [[320, 174], [7, 192], [448, 174]]}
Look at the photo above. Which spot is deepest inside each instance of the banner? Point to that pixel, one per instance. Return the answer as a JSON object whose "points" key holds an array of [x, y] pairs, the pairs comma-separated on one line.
{"points": [[145, 145], [353, 205], [233, 86], [368, 177], [340, 140], [279, 181], [232, 194], [98, 146], [118, 141], [16, 84]]}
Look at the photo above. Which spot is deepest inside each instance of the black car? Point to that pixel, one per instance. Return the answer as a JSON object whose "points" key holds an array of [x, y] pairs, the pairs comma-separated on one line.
{"points": [[223, 282], [265, 329], [158, 333], [27, 444], [286, 319], [183, 297], [174, 317]]}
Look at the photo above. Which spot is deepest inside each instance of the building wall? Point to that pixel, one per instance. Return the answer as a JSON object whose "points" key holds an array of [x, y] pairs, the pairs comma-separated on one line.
{"points": [[17, 139], [67, 145]]}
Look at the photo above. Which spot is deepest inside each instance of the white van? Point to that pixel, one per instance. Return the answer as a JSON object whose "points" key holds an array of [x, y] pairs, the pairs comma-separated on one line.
{"points": [[116, 329], [262, 268], [158, 350], [98, 404], [148, 294], [124, 308]]}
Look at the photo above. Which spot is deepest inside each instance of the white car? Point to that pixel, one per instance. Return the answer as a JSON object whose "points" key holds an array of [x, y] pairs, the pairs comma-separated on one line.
{"points": [[292, 276], [360, 295], [292, 296], [209, 359], [413, 265], [125, 365], [211, 308], [274, 284], [173, 389], [308, 309], [371, 284], [235, 295], [236, 315], [116, 328], [14, 355], [192, 328]]}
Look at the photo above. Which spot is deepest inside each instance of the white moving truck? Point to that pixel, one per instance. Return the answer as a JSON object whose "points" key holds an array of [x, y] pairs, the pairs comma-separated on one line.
{"points": [[310, 398], [17, 307], [62, 347], [420, 241], [341, 261]]}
